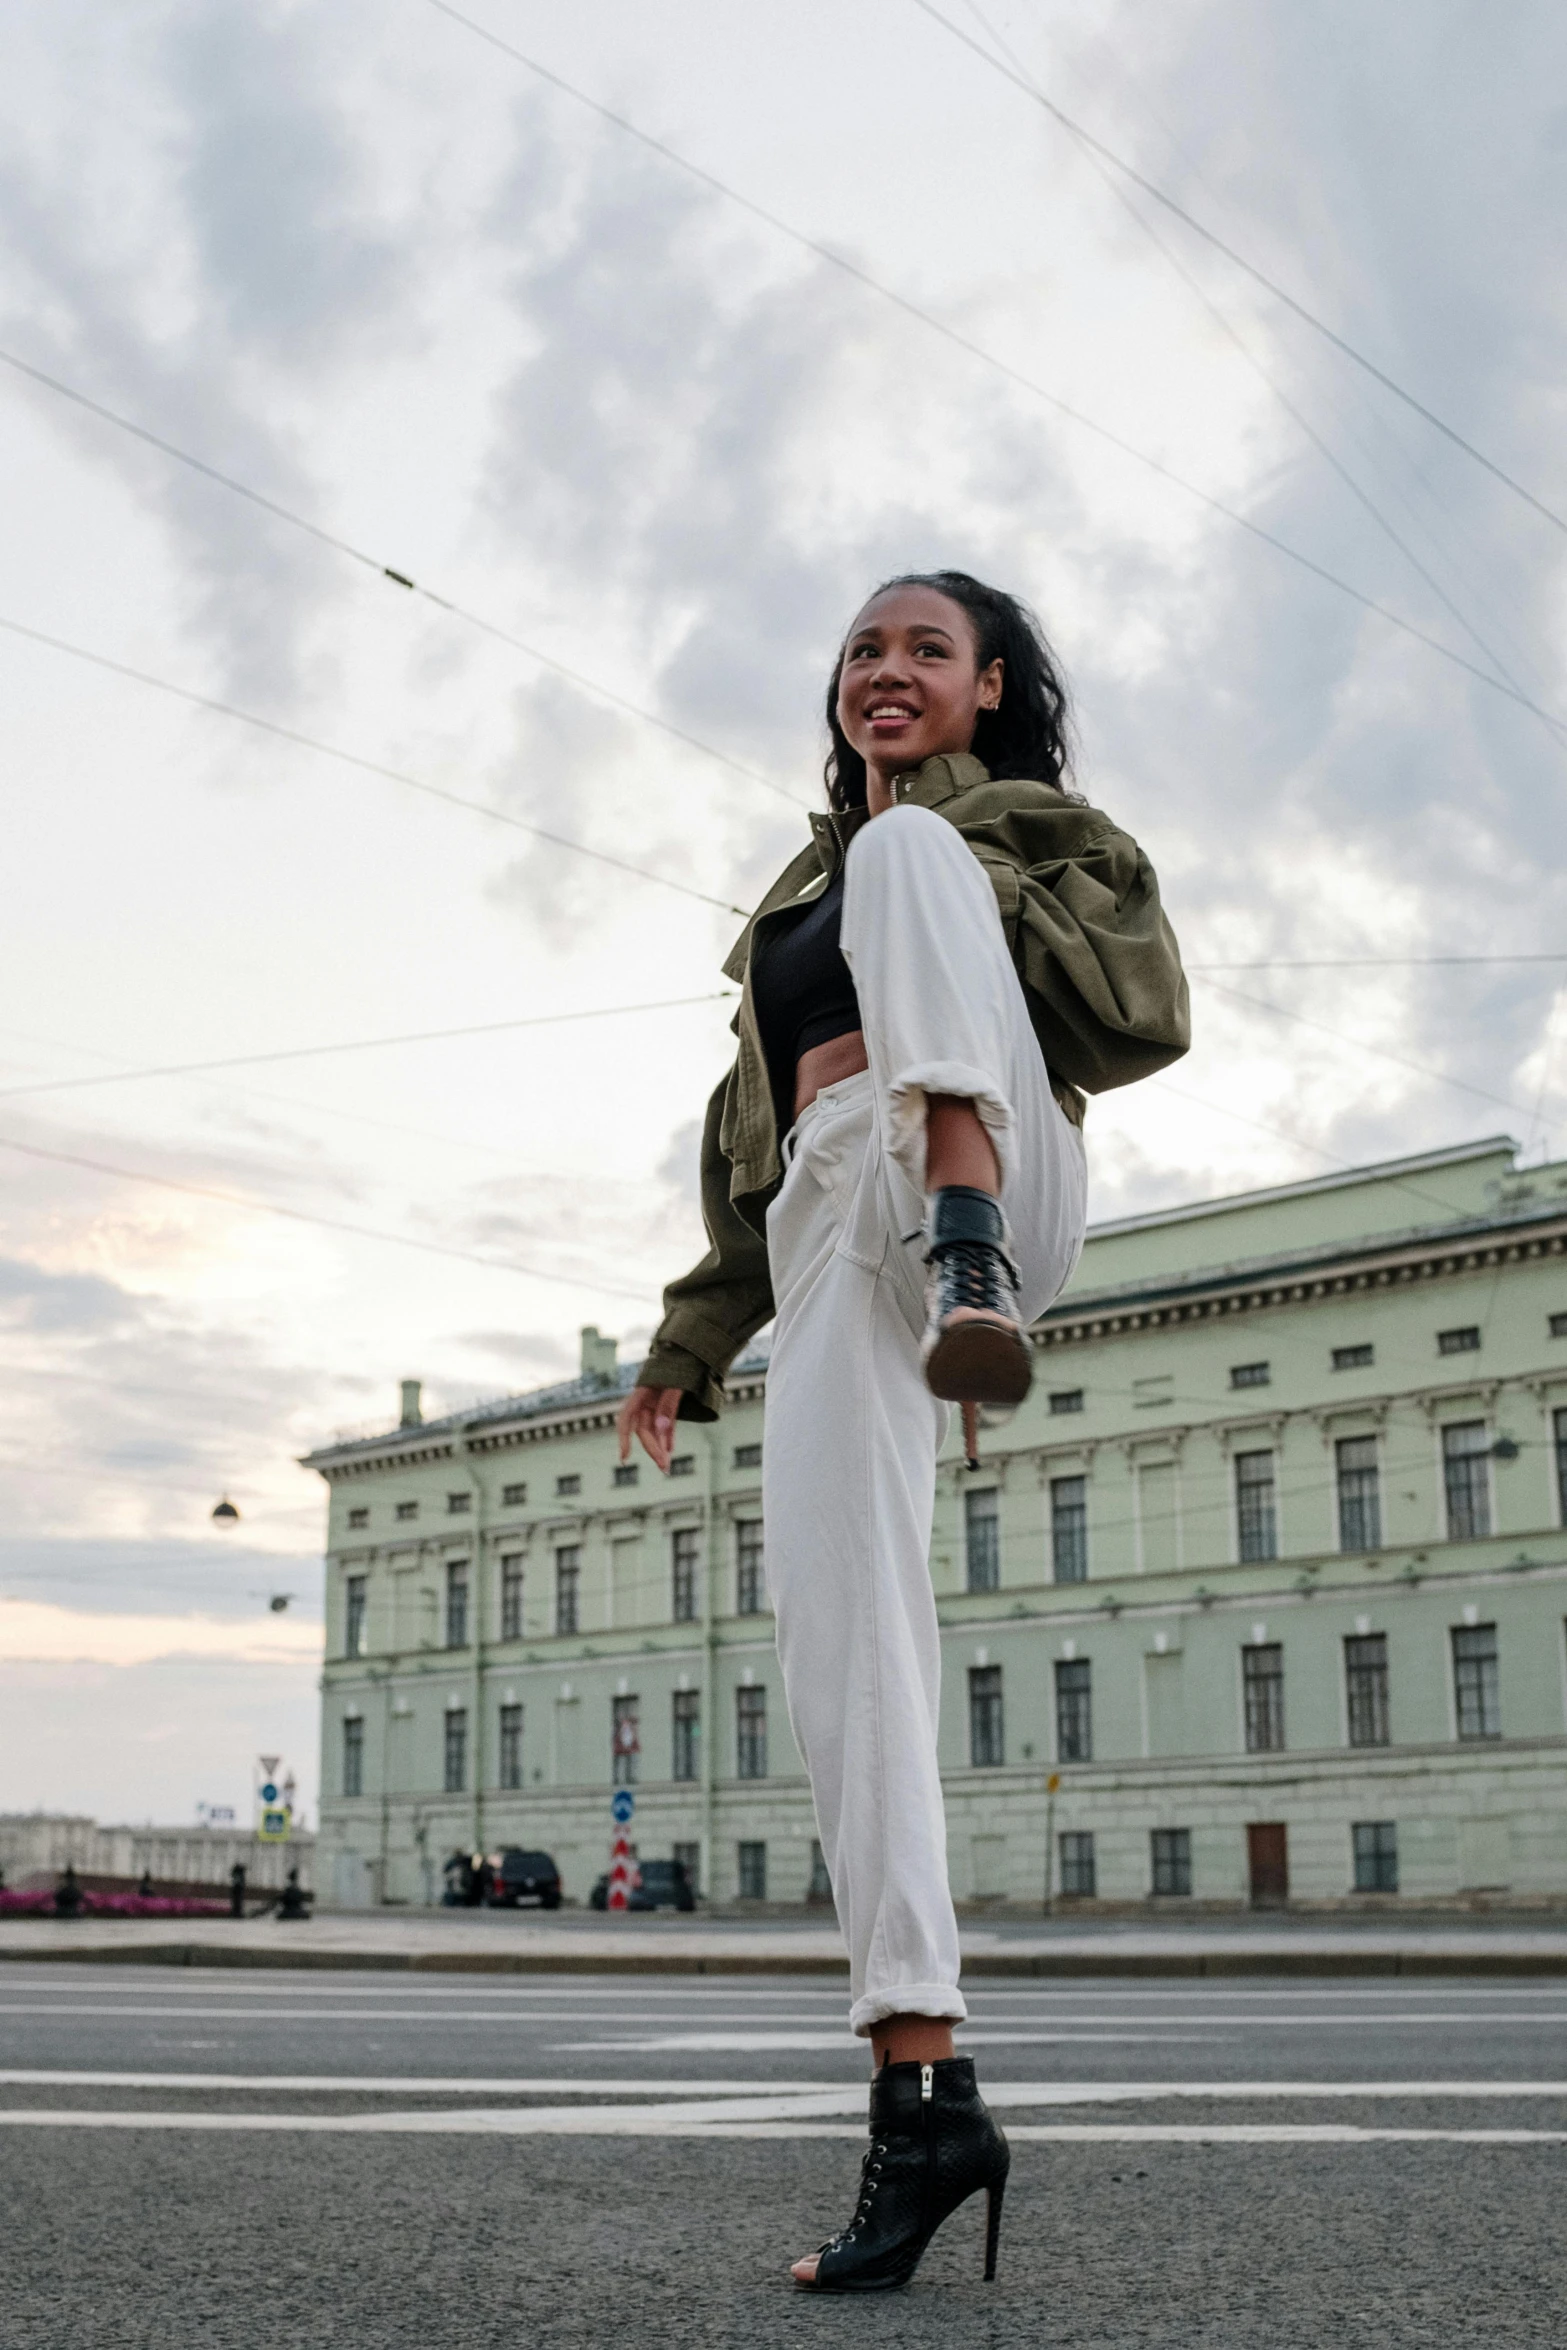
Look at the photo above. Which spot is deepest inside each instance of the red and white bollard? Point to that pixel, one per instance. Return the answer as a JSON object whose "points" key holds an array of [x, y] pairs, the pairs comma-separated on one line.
{"points": [[621, 1871]]}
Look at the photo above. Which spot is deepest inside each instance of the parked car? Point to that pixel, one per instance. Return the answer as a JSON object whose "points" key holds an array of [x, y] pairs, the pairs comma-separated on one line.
{"points": [[517, 1876], [655, 1884], [467, 1885]]}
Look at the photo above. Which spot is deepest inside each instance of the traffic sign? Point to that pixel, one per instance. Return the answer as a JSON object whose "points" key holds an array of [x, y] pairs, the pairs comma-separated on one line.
{"points": [[622, 1804], [273, 1826], [268, 1792]]}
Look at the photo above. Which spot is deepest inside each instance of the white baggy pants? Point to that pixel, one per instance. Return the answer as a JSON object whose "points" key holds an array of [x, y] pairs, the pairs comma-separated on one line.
{"points": [[853, 1432]]}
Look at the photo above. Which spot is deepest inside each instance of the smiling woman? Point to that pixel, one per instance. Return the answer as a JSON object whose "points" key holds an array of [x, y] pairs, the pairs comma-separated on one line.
{"points": [[926, 988]]}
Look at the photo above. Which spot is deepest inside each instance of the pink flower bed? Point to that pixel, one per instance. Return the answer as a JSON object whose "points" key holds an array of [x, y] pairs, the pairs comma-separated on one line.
{"points": [[116, 1905]]}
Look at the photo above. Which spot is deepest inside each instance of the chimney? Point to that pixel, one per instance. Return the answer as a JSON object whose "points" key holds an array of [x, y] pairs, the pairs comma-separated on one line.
{"points": [[599, 1357], [412, 1414]]}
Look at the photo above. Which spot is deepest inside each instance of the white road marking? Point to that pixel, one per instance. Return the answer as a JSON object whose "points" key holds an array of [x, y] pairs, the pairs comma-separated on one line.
{"points": [[1006, 2094], [755, 2043], [1283, 2021]]}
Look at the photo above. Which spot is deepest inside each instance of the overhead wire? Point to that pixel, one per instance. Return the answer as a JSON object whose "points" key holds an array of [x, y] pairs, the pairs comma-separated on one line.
{"points": [[309, 742], [966, 343], [1370, 962], [389, 571], [1086, 138]]}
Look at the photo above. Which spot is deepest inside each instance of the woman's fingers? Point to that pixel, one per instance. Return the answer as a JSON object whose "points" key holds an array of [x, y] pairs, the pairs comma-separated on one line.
{"points": [[649, 1414]]}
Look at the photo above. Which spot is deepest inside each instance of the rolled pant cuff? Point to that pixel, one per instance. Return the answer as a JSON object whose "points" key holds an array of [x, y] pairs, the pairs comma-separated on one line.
{"points": [[908, 1109], [943, 2001]]}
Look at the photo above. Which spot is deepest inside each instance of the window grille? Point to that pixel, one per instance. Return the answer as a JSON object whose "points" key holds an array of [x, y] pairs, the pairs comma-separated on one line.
{"points": [[568, 1586], [1069, 1529], [513, 1496], [1074, 1710], [1067, 1399], [1365, 1682], [1172, 1860], [1359, 1493], [458, 1505], [1353, 1358], [750, 1579], [751, 1733], [1559, 1425], [1376, 1856], [1262, 1674], [1250, 1375], [511, 1747], [1459, 1342], [457, 1604], [982, 1539], [455, 1757], [1256, 1508], [354, 1755], [569, 1484], [1079, 1876], [1465, 1444], [354, 1616], [405, 1512], [986, 1728], [1475, 1681], [626, 1473], [748, 1456], [1559, 1325], [686, 1733], [511, 1595], [625, 1741], [682, 1559], [358, 1520], [683, 1465], [751, 1871]]}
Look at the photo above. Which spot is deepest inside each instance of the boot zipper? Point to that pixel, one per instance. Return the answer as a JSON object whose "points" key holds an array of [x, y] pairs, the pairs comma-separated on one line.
{"points": [[928, 2117], [927, 2082]]}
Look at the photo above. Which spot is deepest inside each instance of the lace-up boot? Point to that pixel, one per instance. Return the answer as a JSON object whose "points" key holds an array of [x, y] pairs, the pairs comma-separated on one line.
{"points": [[974, 1350], [933, 2144]]}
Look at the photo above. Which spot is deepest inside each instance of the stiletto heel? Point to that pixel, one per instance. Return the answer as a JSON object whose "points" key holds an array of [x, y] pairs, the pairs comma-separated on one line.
{"points": [[933, 2145], [993, 2195]]}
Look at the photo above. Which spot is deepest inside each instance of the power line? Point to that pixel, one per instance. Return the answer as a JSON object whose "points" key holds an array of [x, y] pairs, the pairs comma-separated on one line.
{"points": [[963, 342], [261, 1207], [341, 546], [1319, 325], [1373, 962], [363, 1044], [434, 791]]}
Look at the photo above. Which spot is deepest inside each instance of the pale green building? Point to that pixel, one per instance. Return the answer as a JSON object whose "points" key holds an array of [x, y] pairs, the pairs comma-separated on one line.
{"points": [[1263, 1592]]}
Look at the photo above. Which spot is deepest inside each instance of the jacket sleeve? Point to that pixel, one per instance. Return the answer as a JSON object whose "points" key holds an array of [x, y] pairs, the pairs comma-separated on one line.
{"points": [[710, 1312], [1098, 960]]}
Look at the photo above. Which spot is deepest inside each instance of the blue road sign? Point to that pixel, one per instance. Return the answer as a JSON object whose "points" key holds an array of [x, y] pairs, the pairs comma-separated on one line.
{"points": [[268, 1792], [621, 1806]]}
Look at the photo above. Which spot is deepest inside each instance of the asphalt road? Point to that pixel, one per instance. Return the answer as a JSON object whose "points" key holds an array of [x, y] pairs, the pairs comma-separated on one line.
{"points": [[204, 2159]]}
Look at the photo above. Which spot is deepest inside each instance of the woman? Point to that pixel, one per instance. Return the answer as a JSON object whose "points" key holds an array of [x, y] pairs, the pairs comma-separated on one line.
{"points": [[894, 1168]]}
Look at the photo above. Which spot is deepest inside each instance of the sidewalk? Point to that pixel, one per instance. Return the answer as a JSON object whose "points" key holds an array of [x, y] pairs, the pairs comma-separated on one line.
{"points": [[527, 1943]]}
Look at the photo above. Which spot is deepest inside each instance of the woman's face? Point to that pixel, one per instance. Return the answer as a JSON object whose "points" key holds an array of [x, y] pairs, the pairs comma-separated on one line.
{"points": [[911, 686]]}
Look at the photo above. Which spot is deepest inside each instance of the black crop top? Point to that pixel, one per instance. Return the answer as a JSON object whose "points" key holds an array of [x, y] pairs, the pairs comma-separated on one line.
{"points": [[800, 986]]}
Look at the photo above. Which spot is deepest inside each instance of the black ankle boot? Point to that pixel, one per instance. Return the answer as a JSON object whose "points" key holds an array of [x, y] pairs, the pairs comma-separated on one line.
{"points": [[933, 2144], [974, 1349]]}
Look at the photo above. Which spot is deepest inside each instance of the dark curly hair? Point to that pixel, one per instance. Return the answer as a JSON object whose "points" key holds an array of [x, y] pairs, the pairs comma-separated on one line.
{"points": [[1029, 735]]}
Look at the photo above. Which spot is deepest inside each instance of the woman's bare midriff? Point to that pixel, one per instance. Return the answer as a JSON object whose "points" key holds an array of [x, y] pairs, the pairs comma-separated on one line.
{"points": [[828, 1064]]}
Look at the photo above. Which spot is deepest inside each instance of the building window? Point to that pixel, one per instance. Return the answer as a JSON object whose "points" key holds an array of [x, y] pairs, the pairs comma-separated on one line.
{"points": [[982, 1539], [511, 1747], [750, 1580], [405, 1512], [457, 1604], [358, 1520], [1559, 1325], [568, 1584], [1359, 1493], [748, 1456], [819, 1890], [682, 1560], [751, 1871], [354, 1755], [1256, 1512], [1262, 1675], [1074, 1710], [1079, 1877], [1475, 1683], [986, 1728], [683, 1465], [626, 1473], [1560, 1426], [1365, 1683], [455, 1777], [1459, 1342], [1250, 1375], [689, 1858], [751, 1733], [1172, 1860], [1067, 1399], [513, 1496], [354, 1616], [1069, 1529], [1376, 1856], [511, 1595], [568, 1485], [1353, 1358], [458, 1504], [687, 1732], [625, 1742], [1465, 1445]]}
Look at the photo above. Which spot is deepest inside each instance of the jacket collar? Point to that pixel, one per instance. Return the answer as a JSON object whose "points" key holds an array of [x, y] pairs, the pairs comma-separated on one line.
{"points": [[926, 786]]}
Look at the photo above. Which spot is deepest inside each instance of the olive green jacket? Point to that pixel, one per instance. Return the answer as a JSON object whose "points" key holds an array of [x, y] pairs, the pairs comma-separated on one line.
{"points": [[1101, 976]]}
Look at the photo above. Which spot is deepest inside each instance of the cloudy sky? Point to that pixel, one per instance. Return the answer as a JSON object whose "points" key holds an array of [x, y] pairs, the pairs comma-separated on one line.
{"points": [[661, 408]]}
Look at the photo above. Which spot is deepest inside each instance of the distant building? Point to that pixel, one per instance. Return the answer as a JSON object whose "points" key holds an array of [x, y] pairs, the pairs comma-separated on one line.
{"points": [[1269, 1574], [35, 1847]]}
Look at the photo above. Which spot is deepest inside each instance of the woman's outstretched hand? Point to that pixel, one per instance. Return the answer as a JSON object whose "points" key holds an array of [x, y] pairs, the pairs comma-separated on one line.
{"points": [[649, 1414]]}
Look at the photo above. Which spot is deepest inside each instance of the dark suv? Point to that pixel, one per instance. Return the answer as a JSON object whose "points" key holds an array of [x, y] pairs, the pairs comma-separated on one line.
{"points": [[524, 1876], [658, 1884]]}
